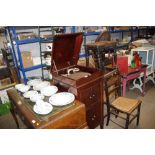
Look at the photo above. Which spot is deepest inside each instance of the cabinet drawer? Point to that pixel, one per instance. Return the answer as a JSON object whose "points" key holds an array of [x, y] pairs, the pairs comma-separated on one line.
{"points": [[90, 95]]}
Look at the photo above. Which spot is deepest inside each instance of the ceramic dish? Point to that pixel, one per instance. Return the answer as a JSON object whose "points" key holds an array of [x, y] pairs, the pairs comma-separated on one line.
{"points": [[36, 97], [41, 85], [30, 93], [49, 90], [43, 109], [34, 82], [18, 86], [24, 88], [61, 99]]}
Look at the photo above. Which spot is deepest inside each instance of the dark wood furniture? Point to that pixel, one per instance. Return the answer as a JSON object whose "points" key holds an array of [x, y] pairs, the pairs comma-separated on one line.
{"points": [[86, 83], [8, 58], [116, 103], [8, 77], [99, 49], [72, 117]]}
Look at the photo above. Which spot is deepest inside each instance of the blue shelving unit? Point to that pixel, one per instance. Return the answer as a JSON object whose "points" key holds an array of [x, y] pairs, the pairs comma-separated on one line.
{"points": [[16, 47], [15, 44]]}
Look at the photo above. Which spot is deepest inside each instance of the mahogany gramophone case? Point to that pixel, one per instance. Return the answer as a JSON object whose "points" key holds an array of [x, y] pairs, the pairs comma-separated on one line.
{"points": [[65, 55]]}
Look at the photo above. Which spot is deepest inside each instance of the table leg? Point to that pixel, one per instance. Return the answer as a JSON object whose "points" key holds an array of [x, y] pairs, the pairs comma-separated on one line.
{"points": [[144, 81], [87, 56], [14, 116]]}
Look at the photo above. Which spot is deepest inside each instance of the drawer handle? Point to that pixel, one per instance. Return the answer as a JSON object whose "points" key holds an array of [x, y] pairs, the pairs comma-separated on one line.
{"points": [[92, 119], [90, 97], [94, 116], [93, 95]]}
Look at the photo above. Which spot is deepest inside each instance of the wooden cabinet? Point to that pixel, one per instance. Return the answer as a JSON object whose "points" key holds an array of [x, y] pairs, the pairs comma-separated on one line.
{"points": [[84, 82], [92, 98], [91, 94]]}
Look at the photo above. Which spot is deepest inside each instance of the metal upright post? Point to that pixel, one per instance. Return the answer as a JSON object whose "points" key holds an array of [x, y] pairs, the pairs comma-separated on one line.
{"points": [[40, 47], [13, 51]]}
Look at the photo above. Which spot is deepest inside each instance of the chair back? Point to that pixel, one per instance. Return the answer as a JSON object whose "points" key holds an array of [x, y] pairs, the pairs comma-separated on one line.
{"points": [[112, 85], [104, 36]]}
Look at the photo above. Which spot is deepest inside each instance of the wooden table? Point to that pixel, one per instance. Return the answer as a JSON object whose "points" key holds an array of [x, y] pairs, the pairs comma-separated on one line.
{"points": [[133, 73], [99, 50], [72, 116]]}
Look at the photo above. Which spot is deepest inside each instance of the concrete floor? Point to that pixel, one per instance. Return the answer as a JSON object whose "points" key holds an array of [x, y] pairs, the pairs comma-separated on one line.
{"points": [[147, 117]]}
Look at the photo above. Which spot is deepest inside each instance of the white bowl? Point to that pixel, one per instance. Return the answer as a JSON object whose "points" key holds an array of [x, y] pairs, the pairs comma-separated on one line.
{"points": [[24, 88], [49, 90], [42, 107], [30, 93], [34, 82], [41, 85], [36, 97]]}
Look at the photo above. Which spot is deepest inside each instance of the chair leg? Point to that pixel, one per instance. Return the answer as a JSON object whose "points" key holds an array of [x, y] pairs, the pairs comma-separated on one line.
{"points": [[127, 121], [138, 114], [108, 115], [117, 113]]}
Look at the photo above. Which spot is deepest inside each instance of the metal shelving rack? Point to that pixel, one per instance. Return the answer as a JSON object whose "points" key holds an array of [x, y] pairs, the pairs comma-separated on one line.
{"points": [[15, 45], [44, 53], [123, 46]]}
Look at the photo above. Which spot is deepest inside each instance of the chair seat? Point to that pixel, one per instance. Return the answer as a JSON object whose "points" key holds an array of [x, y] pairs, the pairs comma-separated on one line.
{"points": [[125, 104]]}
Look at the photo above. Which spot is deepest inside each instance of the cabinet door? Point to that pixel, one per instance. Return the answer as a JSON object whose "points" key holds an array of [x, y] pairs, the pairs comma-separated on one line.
{"points": [[86, 97], [93, 116], [96, 93]]}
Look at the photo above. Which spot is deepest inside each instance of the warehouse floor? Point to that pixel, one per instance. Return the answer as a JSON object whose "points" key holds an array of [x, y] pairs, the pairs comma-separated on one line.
{"points": [[147, 117]]}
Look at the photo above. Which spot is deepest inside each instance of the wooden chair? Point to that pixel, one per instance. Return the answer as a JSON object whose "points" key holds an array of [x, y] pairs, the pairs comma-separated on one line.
{"points": [[117, 104]]}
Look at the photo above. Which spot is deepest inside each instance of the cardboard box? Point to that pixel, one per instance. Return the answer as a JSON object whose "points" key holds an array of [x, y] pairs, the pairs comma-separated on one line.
{"points": [[122, 27], [27, 59], [26, 36], [82, 62], [5, 81], [1, 60]]}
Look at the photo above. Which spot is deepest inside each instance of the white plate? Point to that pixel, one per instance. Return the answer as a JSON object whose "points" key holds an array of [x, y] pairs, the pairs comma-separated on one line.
{"points": [[34, 82], [36, 97], [43, 109], [49, 90], [61, 99], [41, 85], [30, 93]]}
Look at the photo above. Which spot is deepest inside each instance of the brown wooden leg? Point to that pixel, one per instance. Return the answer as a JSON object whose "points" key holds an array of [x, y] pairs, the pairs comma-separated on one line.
{"points": [[127, 121], [138, 114], [15, 117], [108, 114]]}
